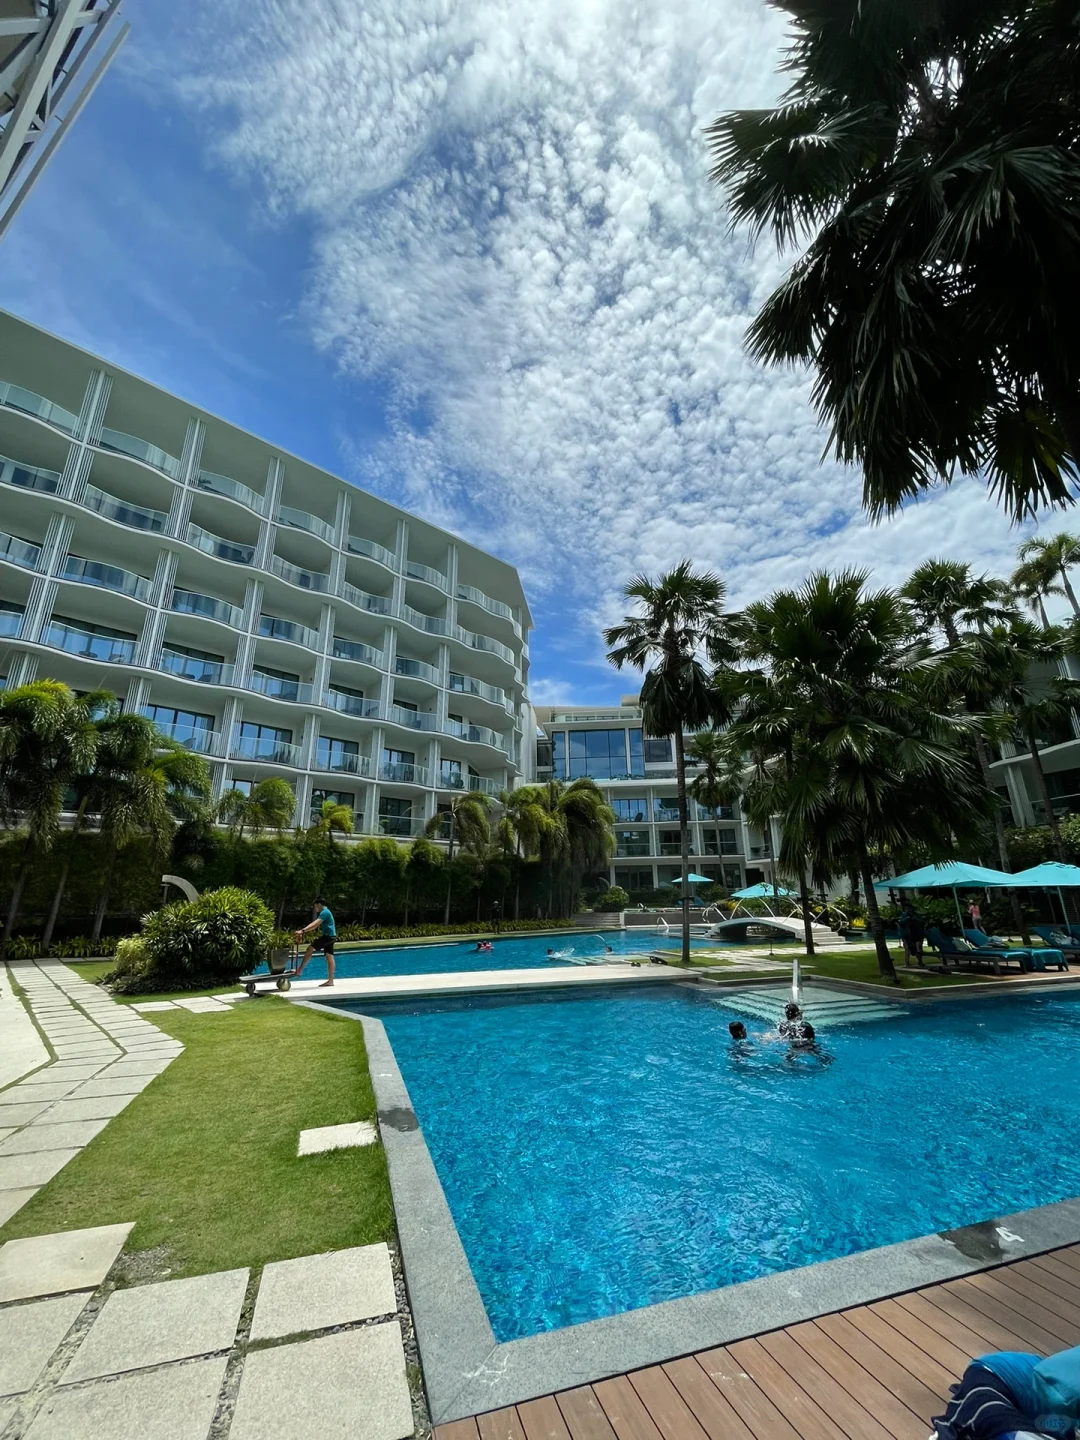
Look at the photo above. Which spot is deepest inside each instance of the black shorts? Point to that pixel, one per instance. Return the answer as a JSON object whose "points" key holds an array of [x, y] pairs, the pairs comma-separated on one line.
{"points": [[324, 944]]}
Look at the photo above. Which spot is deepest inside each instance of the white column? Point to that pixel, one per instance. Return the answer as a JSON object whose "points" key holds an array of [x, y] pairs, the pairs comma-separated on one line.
{"points": [[80, 456], [22, 668], [275, 477]]}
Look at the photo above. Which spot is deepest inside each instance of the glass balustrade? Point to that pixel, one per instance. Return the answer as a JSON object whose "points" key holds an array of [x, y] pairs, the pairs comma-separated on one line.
{"points": [[190, 667], [230, 488], [355, 650], [138, 517], [32, 404], [106, 577], [483, 642], [402, 774], [493, 607], [399, 825], [475, 734], [209, 607], [302, 520], [89, 644], [415, 571], [359, 546], [138, 449], [199, 738], [218, 546], [19, 551], [273, 627], [28, 477], [478, 784], [264, 747], [341, 762], [296, 575], [432, 624], [279, 688], [315, 815], [10, 622], [375, 604], [414, 719], [469, 685], [417, 669], [351, 704]]}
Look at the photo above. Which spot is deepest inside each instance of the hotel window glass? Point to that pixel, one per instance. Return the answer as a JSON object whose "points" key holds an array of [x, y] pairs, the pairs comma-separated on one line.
{"points": [[634, 879], [543, 755], [634, 810], [170, 719], [558, 754], [632, 842], [657, 752], [733, 877], [720, 842], [637, 753], [330, 752], [600, 754]]}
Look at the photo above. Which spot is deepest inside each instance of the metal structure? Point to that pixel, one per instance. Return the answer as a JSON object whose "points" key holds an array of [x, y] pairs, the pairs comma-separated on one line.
{"points": [[52, 55]]}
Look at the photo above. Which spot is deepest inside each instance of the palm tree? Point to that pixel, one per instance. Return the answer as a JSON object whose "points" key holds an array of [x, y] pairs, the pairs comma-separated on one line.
{"points": [[333, 819], [1030, 583], [463, 820], [926, 152], [47, 740], [269, 805], [1049, 558], [680, 623], [582, 829]]}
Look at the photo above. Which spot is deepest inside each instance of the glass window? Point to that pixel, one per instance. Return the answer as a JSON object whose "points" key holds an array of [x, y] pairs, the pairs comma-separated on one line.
{"points": [[637, 752], [670, 843], [406, 705], [720, 842], [667, 807], [399, 757], [339, 797], [543, 754], [634, 879], [270, 733], [329, 751], [630, 809], [390, 805], [558, 754], [90, 629], [632, 842], [658, 752], [722, 812], [169, 718], [600, 754], [193, 654]]}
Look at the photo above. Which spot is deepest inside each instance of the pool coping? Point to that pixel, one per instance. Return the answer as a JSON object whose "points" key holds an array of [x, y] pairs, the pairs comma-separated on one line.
{"points": [[467, 1371]]}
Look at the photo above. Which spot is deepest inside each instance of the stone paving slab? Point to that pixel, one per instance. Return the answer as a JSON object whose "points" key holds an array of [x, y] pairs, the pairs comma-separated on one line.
{"points": [[53, 1264], [73, 1135], [317, 1291], [152, 1324], [148, 1006], [60, 1071], [120, 1085], [4, 1133], [333, 1137], [21, 1112], [7, 1410], [101, 1107], [348, 1385], [17, 1172], [12, 1201], [176, 1403], [202, 1004], [28, 1336], [23, 1049]]}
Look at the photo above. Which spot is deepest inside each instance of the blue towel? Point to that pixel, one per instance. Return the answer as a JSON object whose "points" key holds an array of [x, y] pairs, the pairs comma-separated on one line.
{"points": [[1010, 1391]]}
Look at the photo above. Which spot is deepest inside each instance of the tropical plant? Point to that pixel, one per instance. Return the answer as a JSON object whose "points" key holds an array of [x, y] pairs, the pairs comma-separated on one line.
{"points": [[1046, 560], [421, 870], [530, 824], [209, 941], [333, 819], [1031, 584], [269, 805], [680, 624], [47, 740], [927, 152], [614, 898], [462, 820]]}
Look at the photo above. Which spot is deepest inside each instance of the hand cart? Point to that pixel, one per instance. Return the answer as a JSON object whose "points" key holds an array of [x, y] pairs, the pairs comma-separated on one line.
{"points": [[284, 968]]}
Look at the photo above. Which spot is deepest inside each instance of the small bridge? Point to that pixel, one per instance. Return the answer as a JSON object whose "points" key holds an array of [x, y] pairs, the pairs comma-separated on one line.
{"points": [[768, 927]]}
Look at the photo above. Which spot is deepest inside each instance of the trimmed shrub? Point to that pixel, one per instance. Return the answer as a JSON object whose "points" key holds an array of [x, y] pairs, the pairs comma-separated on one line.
{"points": [[195, 943], [614, 899]]}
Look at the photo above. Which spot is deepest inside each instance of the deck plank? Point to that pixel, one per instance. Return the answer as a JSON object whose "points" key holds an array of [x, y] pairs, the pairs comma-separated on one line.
{"points": [[994, 1334], [670, 1413], [744, 1397], [919, 1398], [584, 1415], [501, 1425], [931, 1342], [714, 1414], [625, 1409], [829, 1394], [787, 1394], [933, 1374], [457, 1430], [1068, 1275], [861, 1385], [1017, 1311], [542, 1419], [1028, 1284]]}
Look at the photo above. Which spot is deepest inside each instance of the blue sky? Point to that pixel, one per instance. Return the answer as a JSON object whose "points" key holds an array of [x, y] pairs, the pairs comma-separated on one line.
{"points": [[462, 252]]}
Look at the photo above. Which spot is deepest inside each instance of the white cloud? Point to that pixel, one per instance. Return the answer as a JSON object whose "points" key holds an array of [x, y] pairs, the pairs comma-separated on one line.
{"points": [[511, 221]]}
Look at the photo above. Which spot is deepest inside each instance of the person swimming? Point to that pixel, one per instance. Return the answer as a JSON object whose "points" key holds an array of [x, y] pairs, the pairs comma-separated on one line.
{"points": [[483, 946], [737, 1030], [800, 1034]]}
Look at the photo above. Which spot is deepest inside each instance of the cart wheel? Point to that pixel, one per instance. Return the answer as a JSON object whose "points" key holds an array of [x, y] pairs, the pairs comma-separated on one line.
{"points": [[284, 983], [250, 988]]}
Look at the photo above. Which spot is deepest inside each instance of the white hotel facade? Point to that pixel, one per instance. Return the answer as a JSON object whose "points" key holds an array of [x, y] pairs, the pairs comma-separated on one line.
{"points": [[263, 612]]}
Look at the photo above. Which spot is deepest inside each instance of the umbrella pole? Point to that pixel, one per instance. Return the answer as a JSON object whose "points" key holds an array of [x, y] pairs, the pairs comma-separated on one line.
{"points": [[959, 915], [1064, 912]]}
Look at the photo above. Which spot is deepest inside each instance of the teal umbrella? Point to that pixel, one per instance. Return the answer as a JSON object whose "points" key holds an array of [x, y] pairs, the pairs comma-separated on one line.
{"points": [[764, 892], [693, 879], [1051, 875], [953, 875]]}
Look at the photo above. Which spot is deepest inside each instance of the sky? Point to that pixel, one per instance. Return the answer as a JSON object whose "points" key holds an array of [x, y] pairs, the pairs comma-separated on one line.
{"points": [[464, 254]]}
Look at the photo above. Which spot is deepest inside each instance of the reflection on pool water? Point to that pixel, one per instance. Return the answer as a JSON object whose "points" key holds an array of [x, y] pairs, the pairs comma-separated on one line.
{"points": [[605, 1151]]}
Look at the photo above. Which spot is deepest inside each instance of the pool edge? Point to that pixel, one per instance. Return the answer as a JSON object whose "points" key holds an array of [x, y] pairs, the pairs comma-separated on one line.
{"points": [[466, 1371]]}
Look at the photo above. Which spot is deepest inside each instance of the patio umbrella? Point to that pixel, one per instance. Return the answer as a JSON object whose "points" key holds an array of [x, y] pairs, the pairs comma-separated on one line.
{"points": [[764, 892], [1051, 875], [693, 879], [953, 875]]}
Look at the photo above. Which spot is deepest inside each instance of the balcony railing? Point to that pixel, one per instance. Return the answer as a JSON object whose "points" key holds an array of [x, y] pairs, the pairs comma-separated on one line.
{"points": [[139, 449], [479, 784], [474, 734], [219, 546], [199, 738], [209, 607], [342, 762], [636, 848], [375, 604], [28, 477], [138, 517], [31, 403], [485, 643], [355, 650], [264, 747], [89, 644], [315, 815], [400, 825], [415, 571], [468, 685], [671, 847], [19, 551], [10, 622], [431, 624], [106, 577], [273, 627], [359, 546], [230, 488], [190, 667], [304, 520], [296, 575], [417, 669], [414, 719], [351, 705], [278, 687], [404, 774], [493, 607]]}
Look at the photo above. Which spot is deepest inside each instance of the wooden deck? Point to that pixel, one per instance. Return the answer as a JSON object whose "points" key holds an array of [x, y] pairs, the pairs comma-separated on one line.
{"points": [[875, 1372]]}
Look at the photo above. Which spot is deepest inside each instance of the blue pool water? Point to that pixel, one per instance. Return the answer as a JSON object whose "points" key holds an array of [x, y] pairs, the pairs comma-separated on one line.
{"points": [[604, 1152], [525, 952]]}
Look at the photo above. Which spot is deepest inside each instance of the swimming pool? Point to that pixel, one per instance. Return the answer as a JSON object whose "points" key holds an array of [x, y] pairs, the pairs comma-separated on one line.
{"points": [[523, 952], [604, 1152]]}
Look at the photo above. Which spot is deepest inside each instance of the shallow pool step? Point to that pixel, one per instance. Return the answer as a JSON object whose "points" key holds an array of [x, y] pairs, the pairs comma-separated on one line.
{"points": [[821, 1006]]}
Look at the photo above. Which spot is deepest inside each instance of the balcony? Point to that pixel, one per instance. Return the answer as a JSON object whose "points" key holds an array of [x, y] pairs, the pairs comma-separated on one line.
{"points": [[357, 545], [10, 622], [400, 825], [273, 627], [315, 815], [199, 738], [218, 546], [493, 607], [484, 643], [190, 667], [467, 685], [106, 577], [18, 551], [416, 669], [302, 520], [208, 607], [231, 489], [264, 747], [355, 650], [139, 450], [351, 705], [474, 734], [414, 719], [400, 774], [28, 477], [296, 575], [32, 404], [666, 816], [138, 517], [89, 644], [671, 847], [416, 571], [625, 849], [278, 687], [342, 762], [431, 624], [478, 784], [374, 604]]}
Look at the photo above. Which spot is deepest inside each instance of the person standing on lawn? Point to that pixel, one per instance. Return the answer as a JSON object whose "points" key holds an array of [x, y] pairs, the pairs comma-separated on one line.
{"points": [[324, 942]]}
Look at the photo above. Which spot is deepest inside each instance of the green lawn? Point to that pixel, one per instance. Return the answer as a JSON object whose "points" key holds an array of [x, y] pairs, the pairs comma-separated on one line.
{"points": [[204, 1160]]}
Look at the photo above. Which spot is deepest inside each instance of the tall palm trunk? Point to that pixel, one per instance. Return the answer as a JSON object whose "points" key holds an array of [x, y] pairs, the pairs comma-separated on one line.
{"points": [[17, 893], [449, 872], [807, 917], [1070, 592], [103, 897], [1044, 794], [684, 842], [65, 870], [873, 914]]}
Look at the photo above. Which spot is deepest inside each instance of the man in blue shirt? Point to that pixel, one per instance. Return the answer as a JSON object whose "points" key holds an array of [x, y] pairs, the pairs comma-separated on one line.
{"points": [[324, 942]]}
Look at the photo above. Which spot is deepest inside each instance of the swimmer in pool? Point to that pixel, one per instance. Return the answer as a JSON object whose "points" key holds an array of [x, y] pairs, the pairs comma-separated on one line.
{"points": [[737, 1030], [796, 1029]]}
